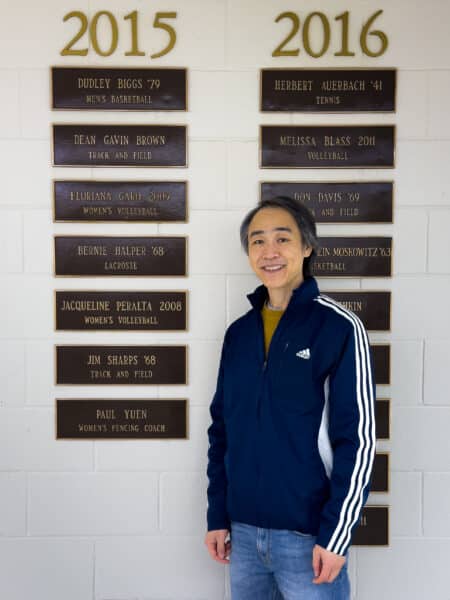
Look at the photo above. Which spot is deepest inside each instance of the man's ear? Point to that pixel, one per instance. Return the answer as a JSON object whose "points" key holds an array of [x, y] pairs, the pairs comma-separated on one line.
{"points": [[307, 251]]}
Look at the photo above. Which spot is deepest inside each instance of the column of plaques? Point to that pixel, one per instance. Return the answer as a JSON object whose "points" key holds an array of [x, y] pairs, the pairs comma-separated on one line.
{"points": [[92, 201], [342, 146]]}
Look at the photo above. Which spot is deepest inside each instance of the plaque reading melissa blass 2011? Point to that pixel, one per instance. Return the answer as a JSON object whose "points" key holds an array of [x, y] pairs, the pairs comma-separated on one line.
{"points": [[373, 308], [94, 418], [119, 145], [353, 257], [328, 90], [373, 528], [121, 311], [320, 146], [118, 89], [126, 365], [338, 202], [119, 200], [120, 256]]}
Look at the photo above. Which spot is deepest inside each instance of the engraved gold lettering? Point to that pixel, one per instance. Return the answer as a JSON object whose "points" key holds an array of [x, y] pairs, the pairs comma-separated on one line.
{"points": [[136, 413], [122, 360], [297, 140], [107, 413], [79, 139], [92, 251], [293, 85]]}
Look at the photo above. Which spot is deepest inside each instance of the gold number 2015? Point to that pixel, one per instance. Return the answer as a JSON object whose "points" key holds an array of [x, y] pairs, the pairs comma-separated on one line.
{"points": [[132, 17]]}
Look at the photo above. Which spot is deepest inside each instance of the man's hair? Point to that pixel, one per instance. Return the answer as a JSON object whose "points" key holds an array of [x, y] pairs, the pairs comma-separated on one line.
{"points": [[301, 215]]}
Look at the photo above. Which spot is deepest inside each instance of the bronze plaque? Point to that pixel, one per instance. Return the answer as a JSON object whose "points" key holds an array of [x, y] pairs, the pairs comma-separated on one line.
{"points": [[380, 473], [383, 419], [119, 145], [95, 418], [118, 89], [120, 200], [328, 90], [121, 365], [353, 257], [325, 146], [381, 354], [120, 256], [373, 308], [373, 528], [120, 311], [338, 202]]}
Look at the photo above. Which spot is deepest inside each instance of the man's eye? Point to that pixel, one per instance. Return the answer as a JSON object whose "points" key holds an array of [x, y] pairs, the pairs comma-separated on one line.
{"points": [[256, 242], [284, 239]]}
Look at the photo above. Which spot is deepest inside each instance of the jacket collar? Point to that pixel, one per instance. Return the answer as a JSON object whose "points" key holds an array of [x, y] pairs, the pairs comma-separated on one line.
{"points": [[306, 291]]}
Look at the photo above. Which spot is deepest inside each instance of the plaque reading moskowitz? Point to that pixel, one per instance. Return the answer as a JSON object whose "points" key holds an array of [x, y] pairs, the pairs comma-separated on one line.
{"points": [[353, 256]]}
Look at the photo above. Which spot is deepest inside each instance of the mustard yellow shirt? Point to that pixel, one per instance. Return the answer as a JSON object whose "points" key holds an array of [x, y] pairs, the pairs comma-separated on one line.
{"points": [[270, 320]]}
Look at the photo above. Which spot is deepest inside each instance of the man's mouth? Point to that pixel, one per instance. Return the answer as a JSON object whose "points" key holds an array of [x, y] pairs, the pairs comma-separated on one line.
{"points": [[272, 268]]}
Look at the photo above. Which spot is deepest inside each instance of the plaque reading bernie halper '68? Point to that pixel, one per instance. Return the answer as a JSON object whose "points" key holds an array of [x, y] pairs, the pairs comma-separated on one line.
{"points": [[328, 90], [126, 365], [120, 256], [353, 257], [120, 200], [121, 311], [119, 89], [380, 473], [119, 145], [320, 146], [98, 418], [373, 308], [338, 202], [373, 528], [382, 363], [383, 419]]}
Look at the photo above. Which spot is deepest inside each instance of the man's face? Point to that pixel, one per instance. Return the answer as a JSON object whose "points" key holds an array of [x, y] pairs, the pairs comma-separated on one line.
{"points": [[275, 249]]}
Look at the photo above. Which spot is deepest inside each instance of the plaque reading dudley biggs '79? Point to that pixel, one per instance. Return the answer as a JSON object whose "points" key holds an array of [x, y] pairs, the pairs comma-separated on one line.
{"points": [[320, 146], [98, 418], [119, 145], [120, 256], [125, 365], [119, 89], [353, 257]]}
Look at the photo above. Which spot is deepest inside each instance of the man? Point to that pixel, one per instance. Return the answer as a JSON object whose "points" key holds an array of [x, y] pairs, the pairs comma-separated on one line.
{"points": [[292, 438]]}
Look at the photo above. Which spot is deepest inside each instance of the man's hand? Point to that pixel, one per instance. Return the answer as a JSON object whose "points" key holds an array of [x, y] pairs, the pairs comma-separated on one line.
{"points": [[217, 547], [326, 564]]}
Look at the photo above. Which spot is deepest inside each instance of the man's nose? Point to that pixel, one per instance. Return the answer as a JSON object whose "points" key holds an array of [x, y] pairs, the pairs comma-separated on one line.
{"points": [[271, 250]]}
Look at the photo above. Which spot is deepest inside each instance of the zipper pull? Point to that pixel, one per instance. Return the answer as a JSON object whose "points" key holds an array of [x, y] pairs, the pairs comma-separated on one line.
{"points": [[264, 365]]}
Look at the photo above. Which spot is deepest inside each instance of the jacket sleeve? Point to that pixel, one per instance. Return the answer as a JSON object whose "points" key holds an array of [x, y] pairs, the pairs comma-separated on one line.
{"points": [[217, 517], [351, 431]]}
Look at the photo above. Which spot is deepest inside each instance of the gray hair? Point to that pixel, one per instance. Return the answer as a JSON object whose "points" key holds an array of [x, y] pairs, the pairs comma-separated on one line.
{"points": [[301, 215]]}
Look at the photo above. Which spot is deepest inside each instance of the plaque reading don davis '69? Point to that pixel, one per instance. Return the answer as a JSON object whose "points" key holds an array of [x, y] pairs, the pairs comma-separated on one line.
{"points": [[121, 311], [372, 307], [98, 418], [120, 256], [328, 90], [119, 145], [118, 89], [373, 528], [338, 202], [120, 200], [320, 146], [353, 257], [126, 365]]}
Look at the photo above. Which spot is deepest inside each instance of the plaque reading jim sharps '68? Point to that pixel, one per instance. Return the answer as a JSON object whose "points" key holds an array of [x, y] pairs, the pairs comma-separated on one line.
{"points": [[120, 256], [119, 89], [373, 308], [320, 146], [338, 202], [373, 528], [328, 90], [126, 365], [98, 418], [120, 200], [121, 311], [353, 257], [119, 145]]}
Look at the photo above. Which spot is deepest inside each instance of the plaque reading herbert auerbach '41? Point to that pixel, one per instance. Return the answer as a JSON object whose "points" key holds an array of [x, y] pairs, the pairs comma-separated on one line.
{"points": [[119, 145], [327, 146]]}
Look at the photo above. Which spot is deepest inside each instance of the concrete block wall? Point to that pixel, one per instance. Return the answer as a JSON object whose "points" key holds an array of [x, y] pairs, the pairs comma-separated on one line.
{"points": [[108, 520]]}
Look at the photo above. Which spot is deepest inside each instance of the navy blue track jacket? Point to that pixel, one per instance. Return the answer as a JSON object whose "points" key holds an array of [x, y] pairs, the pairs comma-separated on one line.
{"points": [[292, 438]]}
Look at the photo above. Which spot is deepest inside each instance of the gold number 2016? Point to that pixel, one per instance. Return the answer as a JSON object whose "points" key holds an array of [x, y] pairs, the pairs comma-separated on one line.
{"points": [[84, 26], [366, 31]]}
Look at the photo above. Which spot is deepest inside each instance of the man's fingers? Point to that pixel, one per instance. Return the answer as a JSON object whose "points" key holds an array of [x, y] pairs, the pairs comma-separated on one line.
{"points": [[324, 575], [217, 547], [316, 562]]}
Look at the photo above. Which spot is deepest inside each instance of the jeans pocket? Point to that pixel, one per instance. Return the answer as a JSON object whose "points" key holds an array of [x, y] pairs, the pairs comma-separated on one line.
{"points": [[301, 534]]}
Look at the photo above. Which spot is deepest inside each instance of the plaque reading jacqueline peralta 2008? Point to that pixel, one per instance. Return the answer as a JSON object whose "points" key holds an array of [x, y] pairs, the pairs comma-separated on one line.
{"points": [[327, 146], [120, 256], [126, 365], [119, 145], [98, 418]]}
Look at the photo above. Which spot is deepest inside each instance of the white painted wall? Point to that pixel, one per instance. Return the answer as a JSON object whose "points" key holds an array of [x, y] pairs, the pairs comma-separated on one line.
{"points": [[107, 520]]}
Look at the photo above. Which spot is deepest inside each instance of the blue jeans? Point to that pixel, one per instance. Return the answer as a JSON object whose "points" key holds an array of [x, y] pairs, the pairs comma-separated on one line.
{"points": [[276, 564]]}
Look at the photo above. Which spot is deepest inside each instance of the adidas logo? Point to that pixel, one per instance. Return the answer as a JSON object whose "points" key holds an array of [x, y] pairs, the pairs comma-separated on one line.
{"points": [[306, 354]]}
